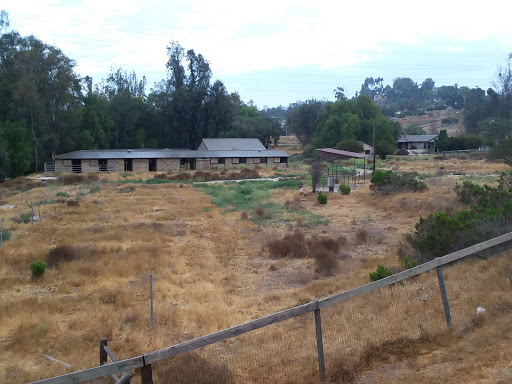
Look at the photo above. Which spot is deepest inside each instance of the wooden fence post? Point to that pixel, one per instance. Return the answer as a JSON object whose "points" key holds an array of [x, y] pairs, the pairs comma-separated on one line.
{"points": [[146, 374], [319, 344], [444, 297], [103, 353]]}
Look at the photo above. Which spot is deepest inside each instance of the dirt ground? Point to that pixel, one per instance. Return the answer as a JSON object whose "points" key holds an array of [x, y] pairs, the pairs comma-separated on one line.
{"points": [[211, 270], [431, 122]]}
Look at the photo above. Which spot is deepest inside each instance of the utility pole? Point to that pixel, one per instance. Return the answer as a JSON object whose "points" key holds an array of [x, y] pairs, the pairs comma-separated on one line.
{"points": [[374, 149]]}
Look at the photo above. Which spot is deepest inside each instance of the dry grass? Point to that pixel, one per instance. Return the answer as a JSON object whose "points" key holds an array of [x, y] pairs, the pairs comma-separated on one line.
{"points": [[209, 273]]}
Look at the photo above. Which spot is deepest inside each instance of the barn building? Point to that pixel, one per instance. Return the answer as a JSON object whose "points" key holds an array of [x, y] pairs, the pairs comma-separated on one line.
{"points": [[211, 153]]}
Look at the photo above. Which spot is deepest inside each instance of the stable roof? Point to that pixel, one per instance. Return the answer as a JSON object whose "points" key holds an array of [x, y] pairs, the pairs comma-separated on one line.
{"points": [[233, 144], [163, 154]]}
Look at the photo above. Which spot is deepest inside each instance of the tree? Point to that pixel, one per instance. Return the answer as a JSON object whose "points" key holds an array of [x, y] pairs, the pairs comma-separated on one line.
{"points": [[384, 148], [316, 172], [5, 166], [415, 129], [4, 20], [301, 119], [16, 138], [502, 90], [502, 152], [442, 141], [351, 145]]}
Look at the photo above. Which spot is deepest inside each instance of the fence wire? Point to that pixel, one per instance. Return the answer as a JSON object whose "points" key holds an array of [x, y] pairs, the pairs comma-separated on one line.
{"points": [[279, 353]]}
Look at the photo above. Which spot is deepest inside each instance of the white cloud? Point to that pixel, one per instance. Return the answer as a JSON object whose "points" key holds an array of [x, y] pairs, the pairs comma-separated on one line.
{"points": [[239, 37]]}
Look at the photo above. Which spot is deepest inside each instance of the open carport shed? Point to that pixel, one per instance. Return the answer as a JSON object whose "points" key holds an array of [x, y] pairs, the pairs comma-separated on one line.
{"points": [[333, 154]]}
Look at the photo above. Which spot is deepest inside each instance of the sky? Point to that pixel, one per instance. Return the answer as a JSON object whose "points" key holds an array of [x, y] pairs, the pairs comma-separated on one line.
{"points": [[282, 51]]}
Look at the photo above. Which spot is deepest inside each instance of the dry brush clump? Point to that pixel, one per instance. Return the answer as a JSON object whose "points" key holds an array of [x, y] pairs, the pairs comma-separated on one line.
{"points": [[66, 253], [324, 250]]}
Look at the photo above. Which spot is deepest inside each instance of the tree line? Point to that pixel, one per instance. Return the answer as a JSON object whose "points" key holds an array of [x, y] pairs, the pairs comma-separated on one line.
{"points": [[47, 108], [487, 114]]}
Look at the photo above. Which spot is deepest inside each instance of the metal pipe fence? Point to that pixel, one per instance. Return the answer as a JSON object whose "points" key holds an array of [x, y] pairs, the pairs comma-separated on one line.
{"points": [[320, 339]]}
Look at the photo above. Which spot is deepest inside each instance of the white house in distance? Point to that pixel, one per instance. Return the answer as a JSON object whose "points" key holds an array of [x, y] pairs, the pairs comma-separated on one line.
{"points": [[417, 144], [367, 150]]}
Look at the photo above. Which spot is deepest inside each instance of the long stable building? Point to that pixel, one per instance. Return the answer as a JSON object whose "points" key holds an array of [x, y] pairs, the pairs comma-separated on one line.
{"points": [[223, 153]]}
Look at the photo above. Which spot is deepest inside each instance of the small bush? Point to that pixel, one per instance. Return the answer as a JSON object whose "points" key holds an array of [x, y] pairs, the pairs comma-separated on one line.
{"points": [[381, 273], [344, 189], [244, 216], [326, 262], [322, 198], [73, 203], [6, 235], [263, 212], [402, 152], [25, 217], [62, 194], [66, 253], [293, 245], [294, 205], [128, 189], [38, 269], [94, 189], [408, 263], [361, 236]]}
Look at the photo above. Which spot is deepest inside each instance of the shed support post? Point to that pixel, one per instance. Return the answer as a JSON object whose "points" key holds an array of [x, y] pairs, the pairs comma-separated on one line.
{"points": [[320, 344], [444, 297], [146, 374], [103, 353]]}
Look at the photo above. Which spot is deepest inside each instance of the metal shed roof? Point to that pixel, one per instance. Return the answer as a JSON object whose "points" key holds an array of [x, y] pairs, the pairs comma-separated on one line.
{"points": [[163, 154], [233, 144], [341, 154]]}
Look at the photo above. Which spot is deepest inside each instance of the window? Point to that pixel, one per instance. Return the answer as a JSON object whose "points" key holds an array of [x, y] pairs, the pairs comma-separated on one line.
{"points": [[243, 160], [263, 160], [221, 160], [284, 160]]}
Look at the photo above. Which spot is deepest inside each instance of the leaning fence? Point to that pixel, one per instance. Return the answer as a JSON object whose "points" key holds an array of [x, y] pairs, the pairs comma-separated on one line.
{"points": [[312, 341]]}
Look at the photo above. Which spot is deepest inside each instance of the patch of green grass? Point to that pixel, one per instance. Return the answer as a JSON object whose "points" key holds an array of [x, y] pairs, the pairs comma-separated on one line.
{"points": [[47, 202], [253, 196], [62, 194], [130, 181], [127, 174]]}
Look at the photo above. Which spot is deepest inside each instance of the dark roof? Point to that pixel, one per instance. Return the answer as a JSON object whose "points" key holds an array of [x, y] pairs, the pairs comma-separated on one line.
{"points": [[417, 138], [341, 154], [163, 154], [233, 144]]}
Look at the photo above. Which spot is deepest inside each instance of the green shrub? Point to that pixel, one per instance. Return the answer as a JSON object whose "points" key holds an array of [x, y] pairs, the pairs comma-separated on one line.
{"points": [[127, 174], [6, 235], [390, 182], [468, 192], [322, 198], [449, 120], [408, 263], [381, 273], [38, 268], [25, 217], [63, 194], [344, 189]]}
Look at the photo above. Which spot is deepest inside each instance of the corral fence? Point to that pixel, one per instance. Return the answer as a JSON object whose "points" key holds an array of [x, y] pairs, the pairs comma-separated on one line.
{"points": [[51, 169], [463, 152], [311, 342], [334, 176]]}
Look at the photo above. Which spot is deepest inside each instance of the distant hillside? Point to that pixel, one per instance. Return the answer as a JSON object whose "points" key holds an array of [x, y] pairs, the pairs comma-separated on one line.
{"points": [[432, 122]]}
